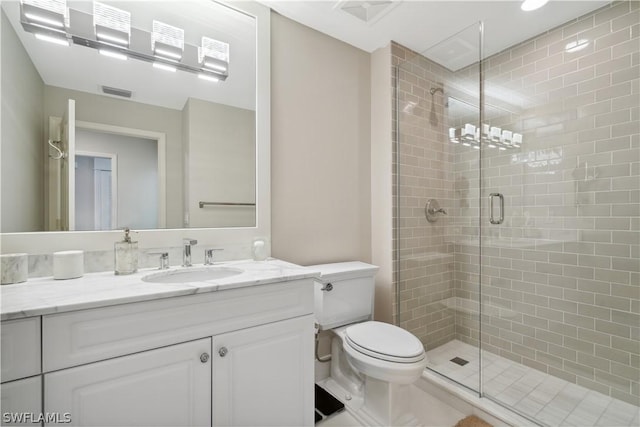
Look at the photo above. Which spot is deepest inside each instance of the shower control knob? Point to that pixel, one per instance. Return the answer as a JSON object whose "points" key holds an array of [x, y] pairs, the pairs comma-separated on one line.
{"points": [[204, 357], [328, 287], [223, 351]]}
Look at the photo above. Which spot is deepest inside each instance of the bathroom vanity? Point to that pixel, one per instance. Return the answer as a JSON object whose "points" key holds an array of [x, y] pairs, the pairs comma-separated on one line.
{"points": [[117, 350]]}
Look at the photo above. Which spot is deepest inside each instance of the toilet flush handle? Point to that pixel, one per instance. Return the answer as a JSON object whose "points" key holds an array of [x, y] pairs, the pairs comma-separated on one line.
{"points": [[328, 287]]}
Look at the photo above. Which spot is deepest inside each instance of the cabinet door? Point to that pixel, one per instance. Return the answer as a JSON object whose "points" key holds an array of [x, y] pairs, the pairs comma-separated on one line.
{"points": [[20, 348], [169, 386], [21, 402], [263, 376]]}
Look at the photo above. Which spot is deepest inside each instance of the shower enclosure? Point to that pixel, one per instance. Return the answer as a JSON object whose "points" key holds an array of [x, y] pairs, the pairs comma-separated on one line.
{"points": [[517, 230]]}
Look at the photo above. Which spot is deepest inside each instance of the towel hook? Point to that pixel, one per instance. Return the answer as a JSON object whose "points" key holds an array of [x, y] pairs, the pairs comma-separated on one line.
{"points": [[61, 154]]}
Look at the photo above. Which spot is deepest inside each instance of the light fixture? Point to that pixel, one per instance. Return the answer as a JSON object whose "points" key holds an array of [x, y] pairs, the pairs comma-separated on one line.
{"points": [[517, 139], [108, 30], [492, 136], [50, 14], [213, 55], [111, 25], [46, 19], [113, 54], [164, 67], [52, 39], [167, 41], [208, 77], [529, 5], [576, 45]]}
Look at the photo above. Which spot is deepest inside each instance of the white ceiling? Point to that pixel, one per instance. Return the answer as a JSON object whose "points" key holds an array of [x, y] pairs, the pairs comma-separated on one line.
{"points": [[420, 25], [84, 69]]}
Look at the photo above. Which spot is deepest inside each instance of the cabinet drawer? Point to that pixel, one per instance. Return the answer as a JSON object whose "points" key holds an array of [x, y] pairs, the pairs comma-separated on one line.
{"points": [[74, 338], [20, 348]]}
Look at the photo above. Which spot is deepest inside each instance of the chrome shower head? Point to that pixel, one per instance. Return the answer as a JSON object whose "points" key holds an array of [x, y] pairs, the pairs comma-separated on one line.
{"points": [[433, 90]]}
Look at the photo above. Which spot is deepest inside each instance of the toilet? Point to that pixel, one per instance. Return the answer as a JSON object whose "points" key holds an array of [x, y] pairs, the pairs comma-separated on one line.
{"points": [[373, 364]]}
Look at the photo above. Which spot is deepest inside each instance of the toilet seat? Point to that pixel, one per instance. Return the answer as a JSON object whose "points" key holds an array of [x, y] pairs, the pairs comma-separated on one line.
{"points": [[385, 342]]}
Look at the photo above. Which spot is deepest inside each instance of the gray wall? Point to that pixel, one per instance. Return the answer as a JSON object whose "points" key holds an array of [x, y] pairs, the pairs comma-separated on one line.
{"points": [[221, 151], [320, 139], [22, 148], [137, 175], [112, 111]]}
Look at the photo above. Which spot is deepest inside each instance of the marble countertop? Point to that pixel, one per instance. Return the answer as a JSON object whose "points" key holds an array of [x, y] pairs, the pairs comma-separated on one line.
{"points": [[45, 295]]}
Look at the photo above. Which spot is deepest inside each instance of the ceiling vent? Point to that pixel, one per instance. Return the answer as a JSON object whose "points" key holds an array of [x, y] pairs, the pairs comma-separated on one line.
{"points": [[117, 92], [367, 11]]}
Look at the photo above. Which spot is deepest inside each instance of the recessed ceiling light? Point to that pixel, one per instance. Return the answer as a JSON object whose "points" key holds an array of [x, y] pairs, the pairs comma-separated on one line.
{"points": [[528, 5]]}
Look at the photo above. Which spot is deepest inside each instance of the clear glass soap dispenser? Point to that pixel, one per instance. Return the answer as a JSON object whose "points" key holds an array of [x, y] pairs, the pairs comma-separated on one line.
{"points": [[126, 255]]}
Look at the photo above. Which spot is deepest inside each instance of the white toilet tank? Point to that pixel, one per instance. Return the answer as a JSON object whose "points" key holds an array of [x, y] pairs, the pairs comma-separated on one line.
{"points": [[344, 293]]}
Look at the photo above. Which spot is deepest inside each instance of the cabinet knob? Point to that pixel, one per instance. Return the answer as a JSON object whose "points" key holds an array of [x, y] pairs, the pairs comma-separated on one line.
{"points": [[223, 351], [204, 357]]}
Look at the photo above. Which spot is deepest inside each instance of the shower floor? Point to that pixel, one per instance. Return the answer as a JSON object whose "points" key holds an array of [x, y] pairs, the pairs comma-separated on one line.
{"points": [[543, 397]]}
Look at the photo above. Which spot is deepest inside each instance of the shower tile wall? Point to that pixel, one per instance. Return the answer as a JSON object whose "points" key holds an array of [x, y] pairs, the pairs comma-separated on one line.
{"points": [[561, 276], [426, 171]]}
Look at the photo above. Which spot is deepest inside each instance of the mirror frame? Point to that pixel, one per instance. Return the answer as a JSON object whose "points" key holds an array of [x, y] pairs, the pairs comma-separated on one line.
{"points": [[47, 242]]}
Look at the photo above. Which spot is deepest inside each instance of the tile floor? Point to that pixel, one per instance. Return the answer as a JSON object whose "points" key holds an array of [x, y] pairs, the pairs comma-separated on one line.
{"points": [[547, 399]]}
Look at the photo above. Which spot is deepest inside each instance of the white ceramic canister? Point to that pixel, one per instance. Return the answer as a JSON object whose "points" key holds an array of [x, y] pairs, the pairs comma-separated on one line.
{"points": [[68, 264], [14, 267]]}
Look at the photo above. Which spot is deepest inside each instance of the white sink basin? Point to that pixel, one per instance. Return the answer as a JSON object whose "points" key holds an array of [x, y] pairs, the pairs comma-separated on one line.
{"points": [[192, 274]]}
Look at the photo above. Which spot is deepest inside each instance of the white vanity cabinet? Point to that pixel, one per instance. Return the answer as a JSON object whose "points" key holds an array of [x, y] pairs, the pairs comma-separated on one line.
{"points": [[20, 348], [21, 388], [241, 356], [263, 375], [21, 397], [169, 386]]}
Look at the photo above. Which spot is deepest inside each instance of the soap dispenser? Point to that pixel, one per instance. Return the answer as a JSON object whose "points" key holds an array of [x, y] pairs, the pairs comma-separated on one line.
{"points": [[126, 255]]}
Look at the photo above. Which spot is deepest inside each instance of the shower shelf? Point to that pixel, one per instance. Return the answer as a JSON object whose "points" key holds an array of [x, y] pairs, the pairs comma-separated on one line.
{"points": [[469, 306], [427, 258], [518, 243]]}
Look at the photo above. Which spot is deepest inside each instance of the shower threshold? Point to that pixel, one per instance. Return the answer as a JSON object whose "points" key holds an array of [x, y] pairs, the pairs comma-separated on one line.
{"points": [[542, 397]]}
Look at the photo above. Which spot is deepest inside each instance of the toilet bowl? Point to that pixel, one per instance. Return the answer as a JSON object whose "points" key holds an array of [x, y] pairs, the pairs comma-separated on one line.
{"points": [[384, 352], [373, 364]]}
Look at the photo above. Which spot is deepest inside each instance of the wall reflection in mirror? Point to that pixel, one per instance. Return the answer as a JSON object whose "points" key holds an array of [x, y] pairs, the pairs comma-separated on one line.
{"points": [[158, 133]]}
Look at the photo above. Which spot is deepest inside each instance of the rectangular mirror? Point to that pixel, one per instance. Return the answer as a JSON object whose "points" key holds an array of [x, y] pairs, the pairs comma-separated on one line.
{"points": [[108, 127]]}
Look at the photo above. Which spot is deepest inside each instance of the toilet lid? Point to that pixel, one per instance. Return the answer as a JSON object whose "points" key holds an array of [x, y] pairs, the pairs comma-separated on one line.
{"points": [[385, 341]]}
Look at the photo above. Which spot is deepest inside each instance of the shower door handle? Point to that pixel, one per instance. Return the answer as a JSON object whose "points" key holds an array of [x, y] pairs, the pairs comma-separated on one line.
{"points": [[492, 219]]}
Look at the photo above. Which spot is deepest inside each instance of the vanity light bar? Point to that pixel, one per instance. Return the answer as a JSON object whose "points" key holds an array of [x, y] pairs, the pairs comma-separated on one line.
{"points": [[494, 137], [117, 39]]}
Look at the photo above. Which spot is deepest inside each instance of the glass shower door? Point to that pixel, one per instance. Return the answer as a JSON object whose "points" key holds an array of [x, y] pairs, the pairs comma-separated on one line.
{"points": [[437, 212], [560, 225]]}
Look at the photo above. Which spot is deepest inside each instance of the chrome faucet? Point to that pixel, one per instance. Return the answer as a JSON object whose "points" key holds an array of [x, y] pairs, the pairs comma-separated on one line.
{"points": [[186, 253], [208, 255]]}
